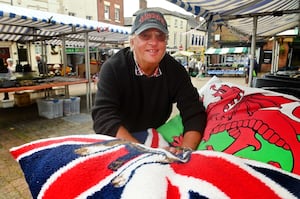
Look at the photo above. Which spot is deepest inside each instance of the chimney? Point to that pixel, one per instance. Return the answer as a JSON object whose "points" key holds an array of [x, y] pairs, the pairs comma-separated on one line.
{"points": [[143, 4]]}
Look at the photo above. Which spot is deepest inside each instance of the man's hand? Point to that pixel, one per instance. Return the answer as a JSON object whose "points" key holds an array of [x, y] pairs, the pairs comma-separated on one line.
{"points": [[125, 135], [177, 150], [191, 139]]}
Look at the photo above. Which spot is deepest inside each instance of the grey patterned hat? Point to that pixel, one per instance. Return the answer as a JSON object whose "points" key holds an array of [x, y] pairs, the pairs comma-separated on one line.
{"points": [[149, 19]]}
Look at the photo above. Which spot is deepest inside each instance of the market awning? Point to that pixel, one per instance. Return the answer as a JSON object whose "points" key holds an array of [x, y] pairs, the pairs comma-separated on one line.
{"points": [[221, 51], [182, 53], [22, 25], [274, 16]]}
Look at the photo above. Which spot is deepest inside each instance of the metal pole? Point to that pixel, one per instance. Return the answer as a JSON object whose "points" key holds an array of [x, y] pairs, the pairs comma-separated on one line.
{"points": [[88, 73], [273, 55], [277, 46], [208, 44], [253, 47], [64, 64]]}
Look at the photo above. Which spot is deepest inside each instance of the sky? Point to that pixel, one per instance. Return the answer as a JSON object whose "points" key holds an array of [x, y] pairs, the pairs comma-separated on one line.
{"points": [[131, 6]]}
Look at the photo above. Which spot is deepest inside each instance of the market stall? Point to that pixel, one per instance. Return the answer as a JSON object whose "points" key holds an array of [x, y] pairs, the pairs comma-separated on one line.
{"points": [[249, 18], [50, 83], [226, 61], [34, 27], [24, 91]]}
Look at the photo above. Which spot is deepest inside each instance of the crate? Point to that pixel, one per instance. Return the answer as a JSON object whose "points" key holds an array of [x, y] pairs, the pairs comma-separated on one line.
{"points": [[57, 91], [7, 103], [71, 106], [37, 94], [50, 108], [22, 99]]}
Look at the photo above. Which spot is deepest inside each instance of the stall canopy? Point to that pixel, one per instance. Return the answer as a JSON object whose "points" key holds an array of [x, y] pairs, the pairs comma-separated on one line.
{"points": [[255, 18], [25, 25], [222, 51], [274, 16], [182, 53]]}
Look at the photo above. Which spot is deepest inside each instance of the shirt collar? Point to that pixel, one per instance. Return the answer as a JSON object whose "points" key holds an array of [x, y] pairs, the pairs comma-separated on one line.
{"points": [[139, 72]]}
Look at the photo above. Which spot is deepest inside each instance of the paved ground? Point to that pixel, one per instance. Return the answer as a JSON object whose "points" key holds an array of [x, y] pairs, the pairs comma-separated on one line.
{"points": [[19, 125]]}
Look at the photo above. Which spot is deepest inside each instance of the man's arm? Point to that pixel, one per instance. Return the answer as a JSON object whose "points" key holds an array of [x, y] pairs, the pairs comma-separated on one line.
{"points": [[191, 139], [124, 134]]}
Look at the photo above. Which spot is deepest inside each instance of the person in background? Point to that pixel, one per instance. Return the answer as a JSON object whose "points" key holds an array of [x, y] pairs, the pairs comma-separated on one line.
{"points": [[10, 64], [254, 72], [8, 70], [42, 67], [138, 86], [192, 66]]}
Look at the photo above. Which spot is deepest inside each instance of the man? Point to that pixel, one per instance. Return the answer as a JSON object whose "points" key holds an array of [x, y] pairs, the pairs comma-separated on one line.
{"points": [[7, 69], [9, 66], [254, 72], [138, 85], [42, 67]]}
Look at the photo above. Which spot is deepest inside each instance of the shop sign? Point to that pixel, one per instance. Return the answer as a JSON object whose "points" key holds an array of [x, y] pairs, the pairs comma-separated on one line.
{"points": [[79, 50]]}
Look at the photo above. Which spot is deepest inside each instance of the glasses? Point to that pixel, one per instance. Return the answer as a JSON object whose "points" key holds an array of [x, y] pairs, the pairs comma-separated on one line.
{"points": [[146, 36]]}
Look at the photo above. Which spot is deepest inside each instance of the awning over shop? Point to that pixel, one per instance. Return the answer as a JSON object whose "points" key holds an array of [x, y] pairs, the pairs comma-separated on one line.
{"points": [[222, 51]]}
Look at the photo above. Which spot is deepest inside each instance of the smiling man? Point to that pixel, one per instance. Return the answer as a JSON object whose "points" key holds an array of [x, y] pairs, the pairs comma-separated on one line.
{"points": [[138, 86]]}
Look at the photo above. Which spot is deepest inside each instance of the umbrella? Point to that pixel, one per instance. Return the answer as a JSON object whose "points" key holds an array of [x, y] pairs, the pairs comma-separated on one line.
{"points": [[182, 53]]}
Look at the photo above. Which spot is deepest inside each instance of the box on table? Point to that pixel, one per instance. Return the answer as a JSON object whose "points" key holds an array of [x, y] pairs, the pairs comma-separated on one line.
{"points": [[50, 108], [22, 99], [7, 103], [71, 106]]}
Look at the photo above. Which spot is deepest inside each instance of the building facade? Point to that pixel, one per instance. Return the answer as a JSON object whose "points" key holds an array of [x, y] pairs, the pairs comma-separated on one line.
{"points": [[111, 11], [80, 9]]}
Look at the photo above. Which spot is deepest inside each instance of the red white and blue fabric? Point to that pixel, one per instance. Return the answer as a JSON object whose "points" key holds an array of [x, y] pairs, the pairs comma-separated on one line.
{"points": [[97, 166]]}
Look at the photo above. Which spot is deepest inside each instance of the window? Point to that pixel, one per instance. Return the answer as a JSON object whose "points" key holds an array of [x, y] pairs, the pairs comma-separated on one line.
{"points": [[117, 14], [71, 14], [175, 23], [267, 57], [196, 40], [175, 39], [89, 17], [106, 10]]}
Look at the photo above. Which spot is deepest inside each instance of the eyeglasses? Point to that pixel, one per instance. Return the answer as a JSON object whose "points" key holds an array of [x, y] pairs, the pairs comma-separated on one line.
{"points": [[146, 36]]}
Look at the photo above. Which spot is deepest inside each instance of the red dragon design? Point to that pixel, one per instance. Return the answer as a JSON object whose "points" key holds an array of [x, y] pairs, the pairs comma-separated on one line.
{"points": [[275, 118]]}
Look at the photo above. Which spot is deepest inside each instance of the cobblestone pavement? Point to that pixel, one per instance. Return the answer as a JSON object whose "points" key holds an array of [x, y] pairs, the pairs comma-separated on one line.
{"points": [[19, 125]]}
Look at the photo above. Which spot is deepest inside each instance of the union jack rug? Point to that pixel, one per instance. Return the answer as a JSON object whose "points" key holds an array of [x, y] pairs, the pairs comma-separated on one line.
{"points": [[97, 166]]}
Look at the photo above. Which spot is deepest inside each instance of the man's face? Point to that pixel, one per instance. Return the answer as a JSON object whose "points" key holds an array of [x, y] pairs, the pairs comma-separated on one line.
{"points": [[149, 47]]}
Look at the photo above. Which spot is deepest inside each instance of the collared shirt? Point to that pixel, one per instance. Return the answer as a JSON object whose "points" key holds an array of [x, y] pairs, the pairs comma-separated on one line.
{"points": [[140, 72]]}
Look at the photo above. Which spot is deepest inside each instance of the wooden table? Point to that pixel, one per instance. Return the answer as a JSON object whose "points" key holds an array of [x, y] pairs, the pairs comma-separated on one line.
{"points": [[47, 85]]}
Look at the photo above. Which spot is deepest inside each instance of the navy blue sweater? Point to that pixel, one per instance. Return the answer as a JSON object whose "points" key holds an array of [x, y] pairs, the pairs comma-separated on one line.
{"points": [[140, 102]]}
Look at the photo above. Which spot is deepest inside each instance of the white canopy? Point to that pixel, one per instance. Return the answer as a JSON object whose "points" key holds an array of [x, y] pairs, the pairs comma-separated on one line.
{"points": [[25, 25], [21, 24], [222, 51], [274, 16], [264, 18], [182, 53]]}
